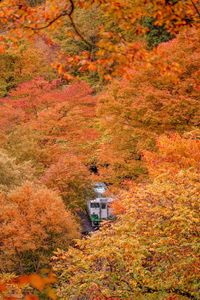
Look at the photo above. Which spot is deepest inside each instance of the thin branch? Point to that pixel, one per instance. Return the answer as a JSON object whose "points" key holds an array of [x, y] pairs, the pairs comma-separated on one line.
{"points": [[68, 13], [72, 7], [48, 24], [79, 34], [75, 28], [195, 7]]}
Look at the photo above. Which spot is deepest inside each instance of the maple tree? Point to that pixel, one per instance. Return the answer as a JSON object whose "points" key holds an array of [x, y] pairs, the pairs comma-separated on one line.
{"points": [[42, 125], [159, 97], [114, 49], [34, 221], [71, 178], [23, 102]]}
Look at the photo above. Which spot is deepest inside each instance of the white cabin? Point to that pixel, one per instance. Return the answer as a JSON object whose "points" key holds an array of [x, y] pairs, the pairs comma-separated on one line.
{"points": [[100, 207]]}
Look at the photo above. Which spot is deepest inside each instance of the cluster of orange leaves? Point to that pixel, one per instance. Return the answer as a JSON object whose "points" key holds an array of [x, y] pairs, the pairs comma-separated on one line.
{"points": [[12, 289], [114, 53]]}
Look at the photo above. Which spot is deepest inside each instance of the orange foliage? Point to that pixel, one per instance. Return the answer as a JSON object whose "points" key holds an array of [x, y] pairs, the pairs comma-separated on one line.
{"points": [[161, 96], [175, 153], [144, 125], [33, 220], [114, 51], [13, 288], [152, 247], [70, 178], [46, 120]]}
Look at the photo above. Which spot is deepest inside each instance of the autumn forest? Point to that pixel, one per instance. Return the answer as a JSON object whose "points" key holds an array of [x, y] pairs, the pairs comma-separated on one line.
{"points": [[99, 91]]}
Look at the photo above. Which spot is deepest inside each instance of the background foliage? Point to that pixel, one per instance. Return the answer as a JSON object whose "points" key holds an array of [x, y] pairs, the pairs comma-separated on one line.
{"points": [[97, 91]]}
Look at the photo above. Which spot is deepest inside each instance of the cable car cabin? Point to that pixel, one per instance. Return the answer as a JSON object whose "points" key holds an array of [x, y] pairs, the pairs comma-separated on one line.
{"points": [[99, 209]]}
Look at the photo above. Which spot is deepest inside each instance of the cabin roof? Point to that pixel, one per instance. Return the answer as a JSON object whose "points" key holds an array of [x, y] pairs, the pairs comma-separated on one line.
{"points": [[101, 200]]}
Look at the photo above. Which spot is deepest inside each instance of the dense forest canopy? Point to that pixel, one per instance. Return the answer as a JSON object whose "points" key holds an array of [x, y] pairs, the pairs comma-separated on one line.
{"points": [[99, 91]]}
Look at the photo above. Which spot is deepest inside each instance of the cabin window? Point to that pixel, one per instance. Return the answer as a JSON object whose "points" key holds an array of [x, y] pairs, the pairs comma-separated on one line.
{"points": [[103, 205], [94, 205]]}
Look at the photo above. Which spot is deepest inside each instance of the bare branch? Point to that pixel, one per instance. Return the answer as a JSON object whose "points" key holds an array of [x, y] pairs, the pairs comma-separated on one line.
{"points": [[48, 24], [195, 7], [79, 34], [68, 13]]}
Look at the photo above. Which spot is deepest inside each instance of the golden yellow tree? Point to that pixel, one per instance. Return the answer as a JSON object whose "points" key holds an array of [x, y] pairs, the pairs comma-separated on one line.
{"points": [[151, 250]]}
